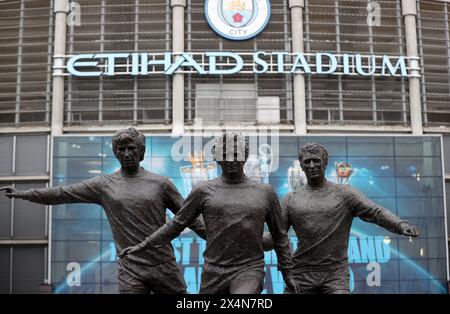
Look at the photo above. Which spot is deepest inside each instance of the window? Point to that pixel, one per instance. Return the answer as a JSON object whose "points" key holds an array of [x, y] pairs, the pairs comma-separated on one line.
{"points": [[434, 52], [111, 26], [22, 269], [23, 224], [26, 49], [24, 155], [23, 220], [6, 155], [341, 27], [222, 103], [276, 37]]}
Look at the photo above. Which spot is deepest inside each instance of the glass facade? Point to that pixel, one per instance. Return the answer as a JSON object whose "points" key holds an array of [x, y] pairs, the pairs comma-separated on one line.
{"points": [[446, 149], [24, 226], [400, 173]]}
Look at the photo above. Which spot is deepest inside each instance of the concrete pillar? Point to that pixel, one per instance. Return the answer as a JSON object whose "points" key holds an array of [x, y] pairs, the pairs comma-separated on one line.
{"points": [[61, 9], [296, 7], [178, 7], [409, 12]]}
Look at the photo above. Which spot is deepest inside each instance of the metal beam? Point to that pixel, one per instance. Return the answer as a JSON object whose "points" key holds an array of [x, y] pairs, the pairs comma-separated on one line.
{"points": [[296, 7], [23, 242], [61, 8], [23, 178], [178, 7], [24, 129], [409, 12], [359, 128]]}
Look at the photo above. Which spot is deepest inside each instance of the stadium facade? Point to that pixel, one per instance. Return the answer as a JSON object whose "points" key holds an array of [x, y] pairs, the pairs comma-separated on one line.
{"points": [[370, 79]]}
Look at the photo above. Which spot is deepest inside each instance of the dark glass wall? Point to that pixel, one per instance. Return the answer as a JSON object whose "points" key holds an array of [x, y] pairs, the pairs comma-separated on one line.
{"points": [[23, 225]]}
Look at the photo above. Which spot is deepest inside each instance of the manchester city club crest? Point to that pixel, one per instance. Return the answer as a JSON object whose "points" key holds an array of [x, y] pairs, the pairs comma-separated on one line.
{"points": [[237, 19]]}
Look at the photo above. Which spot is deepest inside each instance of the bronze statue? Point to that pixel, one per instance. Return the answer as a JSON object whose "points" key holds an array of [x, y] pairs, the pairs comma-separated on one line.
{"points": [[135, 202], [234, 209], [321, 214]]}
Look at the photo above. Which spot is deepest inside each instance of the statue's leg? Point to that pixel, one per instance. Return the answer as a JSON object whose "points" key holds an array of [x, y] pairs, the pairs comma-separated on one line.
{"points": [[165, 278], [308, 282], [246, 285], [339, 292], [214, 279], [337, 281], [124, 289], [129, 284], [247, 279]]}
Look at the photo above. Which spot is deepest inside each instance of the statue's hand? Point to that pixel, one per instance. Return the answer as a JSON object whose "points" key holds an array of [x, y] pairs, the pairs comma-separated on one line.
{"points": [[410, 231], [292, 285], [11, 192], [290, 282], [267, 242], [130, 250]]}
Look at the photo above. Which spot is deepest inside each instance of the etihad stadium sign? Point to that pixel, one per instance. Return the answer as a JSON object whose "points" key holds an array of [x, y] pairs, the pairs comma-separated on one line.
{"points": [[230, 63]]}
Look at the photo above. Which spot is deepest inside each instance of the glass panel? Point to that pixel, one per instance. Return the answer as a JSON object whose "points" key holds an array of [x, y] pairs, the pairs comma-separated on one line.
{"points": [[6, 155], [375, 146], [5, 270], [370, 167], [446, 144], [31, 155], [90, 273], [29, 217], [410, 146], [419, 167], [78, 147], [77, 167], [75, 251], [447, 194], [418, 187], [28, 269], [76, 229], [5, 214], [420, 207]]}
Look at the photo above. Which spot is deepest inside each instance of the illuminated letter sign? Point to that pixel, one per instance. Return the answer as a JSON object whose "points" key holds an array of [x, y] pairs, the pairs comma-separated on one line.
{"points": [[230, 63]]}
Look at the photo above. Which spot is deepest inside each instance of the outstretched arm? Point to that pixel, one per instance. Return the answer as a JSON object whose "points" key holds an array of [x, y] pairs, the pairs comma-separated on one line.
{"points": [[175, 201], [190, 210], [277, 229], [85, 192], [268, 244], [374, 213]]}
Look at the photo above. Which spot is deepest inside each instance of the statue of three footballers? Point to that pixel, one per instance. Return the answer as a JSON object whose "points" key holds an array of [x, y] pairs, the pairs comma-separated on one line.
{"points": [[229, 213]]}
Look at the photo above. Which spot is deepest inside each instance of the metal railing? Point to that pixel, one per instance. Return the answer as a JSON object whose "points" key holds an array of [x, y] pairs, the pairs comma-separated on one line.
{"points": [[106, 26], [276, 37], [434, 51], [342, 27], [26, 39]]}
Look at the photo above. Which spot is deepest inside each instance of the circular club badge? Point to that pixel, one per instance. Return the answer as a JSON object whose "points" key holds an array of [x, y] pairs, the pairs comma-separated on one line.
{"points": [[237, 19]]}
